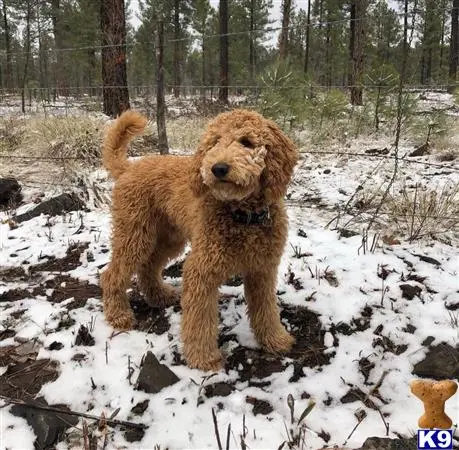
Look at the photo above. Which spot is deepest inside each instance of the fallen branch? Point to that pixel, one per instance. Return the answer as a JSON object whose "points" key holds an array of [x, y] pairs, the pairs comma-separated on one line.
{"points": [[112, 422]]}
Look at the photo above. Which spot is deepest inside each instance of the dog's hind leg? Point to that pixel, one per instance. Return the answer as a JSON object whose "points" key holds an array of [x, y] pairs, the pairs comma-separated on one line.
{"points": [[169, 244], [131, 245]]}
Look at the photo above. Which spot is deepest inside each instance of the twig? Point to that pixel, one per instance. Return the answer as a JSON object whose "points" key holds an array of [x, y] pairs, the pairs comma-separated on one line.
{"points": [[112, 422], [217, 433], [360, 420]]}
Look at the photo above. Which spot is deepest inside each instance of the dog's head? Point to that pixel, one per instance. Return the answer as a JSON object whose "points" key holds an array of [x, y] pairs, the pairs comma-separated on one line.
{"points": [[243, 154]]}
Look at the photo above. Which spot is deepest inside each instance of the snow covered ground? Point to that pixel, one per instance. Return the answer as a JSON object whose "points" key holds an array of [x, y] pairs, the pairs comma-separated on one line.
{"points": [[362, 316]]}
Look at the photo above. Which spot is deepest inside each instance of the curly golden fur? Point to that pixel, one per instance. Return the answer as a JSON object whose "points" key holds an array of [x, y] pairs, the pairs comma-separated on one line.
{"points": [[243, 163]]}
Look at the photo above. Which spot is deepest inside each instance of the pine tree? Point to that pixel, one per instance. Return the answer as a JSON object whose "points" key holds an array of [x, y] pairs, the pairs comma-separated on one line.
{"points": [[454, 44], [114, 76], [224, 51], [356, 47], [283, 38]]}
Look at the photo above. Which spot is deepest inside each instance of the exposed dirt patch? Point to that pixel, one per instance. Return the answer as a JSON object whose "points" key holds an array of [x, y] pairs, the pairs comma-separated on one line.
{"points": [[23, 380], [6, 334], [70, 261], [308, 350], [174, 270], [149, 320], [66, 287], [259, 406], [13, 274], [356, 325], [14, 295]]}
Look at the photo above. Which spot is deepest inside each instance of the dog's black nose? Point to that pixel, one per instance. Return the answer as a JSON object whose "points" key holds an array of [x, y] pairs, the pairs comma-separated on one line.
{"points": [[220, 169]]}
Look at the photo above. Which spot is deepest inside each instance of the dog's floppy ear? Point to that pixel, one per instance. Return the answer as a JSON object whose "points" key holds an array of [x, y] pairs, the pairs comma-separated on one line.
{"points": [[197, 185], [280, 161]]}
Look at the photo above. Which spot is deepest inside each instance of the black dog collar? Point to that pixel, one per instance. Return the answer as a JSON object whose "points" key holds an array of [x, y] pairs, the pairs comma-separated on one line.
{"points": [[251, 217]]}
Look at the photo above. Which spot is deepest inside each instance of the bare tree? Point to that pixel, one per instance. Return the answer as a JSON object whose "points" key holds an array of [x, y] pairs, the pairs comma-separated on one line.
{"points": [[454, 44], [224, 45], [114, 76], [283, 38], [160, 98], [356, 45]]}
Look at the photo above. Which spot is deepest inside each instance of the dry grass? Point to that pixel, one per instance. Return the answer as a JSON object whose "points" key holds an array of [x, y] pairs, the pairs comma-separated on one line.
{"points": [[184, 133], [421, 212]]}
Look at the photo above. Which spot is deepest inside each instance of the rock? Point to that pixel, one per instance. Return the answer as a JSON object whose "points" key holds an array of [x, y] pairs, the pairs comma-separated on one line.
{"points": [[47, 426], [140, 408], [10, 192], [56, 346], [428, 259], [53, 207], [409, 291], [440, 363], [422, 150], [327, 171], [427, 341], [378, 443], [134, 434], [154, 376], [221, 389], [84, 337], [345, 233]]}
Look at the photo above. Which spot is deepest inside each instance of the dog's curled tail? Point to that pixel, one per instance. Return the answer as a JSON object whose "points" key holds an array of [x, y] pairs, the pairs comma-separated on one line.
{"points": [[114, 152]]}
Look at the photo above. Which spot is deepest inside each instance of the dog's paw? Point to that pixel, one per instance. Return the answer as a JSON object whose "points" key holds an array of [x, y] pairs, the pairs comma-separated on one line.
{"points": [[121, 321], [278, 342], [207, 362], [163, 297]]}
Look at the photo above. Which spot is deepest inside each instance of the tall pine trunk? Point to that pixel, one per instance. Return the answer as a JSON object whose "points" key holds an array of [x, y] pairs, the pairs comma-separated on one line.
{"points": [[307, 44], [177, 43], [224, 65], [283, 39], [114, 76], [454, 45], [6, 31], [252, 43], [28, 48], [59, 75], [163, 145], [357, 36]]}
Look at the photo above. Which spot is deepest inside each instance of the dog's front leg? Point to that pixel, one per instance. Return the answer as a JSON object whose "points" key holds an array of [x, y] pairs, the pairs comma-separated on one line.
{"points": [[200, 314], [260, 294]]}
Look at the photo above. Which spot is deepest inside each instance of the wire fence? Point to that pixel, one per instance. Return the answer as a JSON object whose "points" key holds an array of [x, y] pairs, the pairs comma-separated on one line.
{"points": [[200, 36]]}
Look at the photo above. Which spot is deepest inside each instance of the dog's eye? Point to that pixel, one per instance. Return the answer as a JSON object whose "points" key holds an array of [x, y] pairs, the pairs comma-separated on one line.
{"points": [[246, 143]]}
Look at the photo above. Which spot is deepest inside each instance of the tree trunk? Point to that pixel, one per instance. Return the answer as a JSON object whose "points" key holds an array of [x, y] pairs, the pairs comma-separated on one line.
{"points": [[252, 43], [160, 98], [6, 31], [283, 39], [454, 45], [358, 10], [223, 22], [114, 76], [177, 43], [307, 43], [61, 83], [28, 46]]}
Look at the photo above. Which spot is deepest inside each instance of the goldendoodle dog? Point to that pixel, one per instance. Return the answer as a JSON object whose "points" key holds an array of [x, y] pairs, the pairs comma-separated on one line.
{"points": [[227, 200]]}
